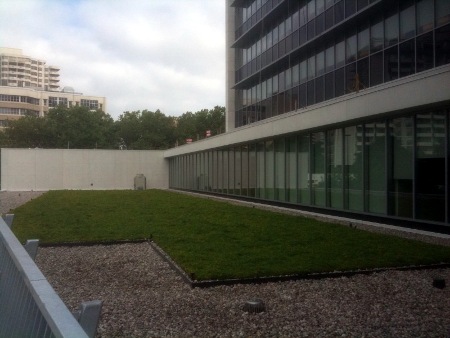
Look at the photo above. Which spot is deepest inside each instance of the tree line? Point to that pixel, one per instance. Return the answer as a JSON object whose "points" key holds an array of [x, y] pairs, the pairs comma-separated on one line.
{"points": [[78, 127]]}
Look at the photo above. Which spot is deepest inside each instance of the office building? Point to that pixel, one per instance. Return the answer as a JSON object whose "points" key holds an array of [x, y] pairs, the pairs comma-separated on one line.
{"points": [[334, 106]]}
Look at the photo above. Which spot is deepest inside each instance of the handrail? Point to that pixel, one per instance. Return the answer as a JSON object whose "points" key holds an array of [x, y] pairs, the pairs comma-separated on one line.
{"points": [[28, 304]]}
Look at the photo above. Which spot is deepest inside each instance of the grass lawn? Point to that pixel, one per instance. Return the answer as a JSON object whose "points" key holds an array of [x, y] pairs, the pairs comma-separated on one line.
{"points": [[216, 240]]}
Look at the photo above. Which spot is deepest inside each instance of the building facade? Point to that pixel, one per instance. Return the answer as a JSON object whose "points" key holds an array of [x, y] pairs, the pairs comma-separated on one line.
{"points": [[30, 86], [342, 106]]}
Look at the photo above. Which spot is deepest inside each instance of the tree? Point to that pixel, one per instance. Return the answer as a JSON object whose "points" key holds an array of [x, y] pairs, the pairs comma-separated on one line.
{"points": [[78, 127], [146, 130], [195, 125], [30, 132]]}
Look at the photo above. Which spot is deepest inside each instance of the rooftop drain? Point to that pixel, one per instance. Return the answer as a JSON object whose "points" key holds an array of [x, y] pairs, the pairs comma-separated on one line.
{"points": [[254, 306]]}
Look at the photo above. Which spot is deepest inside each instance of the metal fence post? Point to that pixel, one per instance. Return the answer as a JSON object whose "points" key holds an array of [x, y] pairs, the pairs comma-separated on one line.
{"points": [[32, 247], [88, 315], [8, 218]]}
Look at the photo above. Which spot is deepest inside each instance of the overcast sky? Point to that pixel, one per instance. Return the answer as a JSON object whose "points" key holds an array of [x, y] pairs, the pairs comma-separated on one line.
{"points": [[139, 54]]}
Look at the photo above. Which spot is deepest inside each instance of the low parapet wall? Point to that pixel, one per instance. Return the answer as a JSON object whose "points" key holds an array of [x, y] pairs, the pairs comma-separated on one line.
{"points": [[82, 169]]}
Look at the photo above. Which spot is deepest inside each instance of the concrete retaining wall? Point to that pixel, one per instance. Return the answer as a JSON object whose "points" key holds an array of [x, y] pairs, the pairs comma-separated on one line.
{"points": [[56, 169]]}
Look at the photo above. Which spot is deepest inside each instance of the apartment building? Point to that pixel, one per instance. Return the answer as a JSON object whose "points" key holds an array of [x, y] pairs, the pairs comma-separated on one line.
{"points": [[30, 86]]}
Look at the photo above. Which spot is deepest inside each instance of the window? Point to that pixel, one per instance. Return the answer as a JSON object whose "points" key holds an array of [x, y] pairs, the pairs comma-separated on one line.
{"points": [[401, 173], [339, 11], [442, 12], [350, 7], [329, 59], [407, 22], [391, 30], [374, 141], [340, 54], [320, 63], [350, 48], [318, 169], [425, 11], [442, 45], [353, 175], [430, 166], [407, 58], [424, 52], [376, 69], [376, 37], [335, 168], [311, 67], [311, 9], [303, 174], [391, 64], [363, 43]]}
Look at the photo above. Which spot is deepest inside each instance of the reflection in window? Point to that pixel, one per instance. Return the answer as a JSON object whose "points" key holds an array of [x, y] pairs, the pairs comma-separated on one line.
{"points": [[376, 69], [280, 170], [407, 58], [350, 48], [442, 12], [335, 167], [407, 23], [401, 172], [391, 64], [424, 52], [329, 59], [374, 140], [353, 174], [425, 11], [391, 30], [363, 43], [376, 37], [303, 170], [430, 164], [442, 47], [340, 54], [260, 171], [291, 169], [269, 170], [318, 168]]}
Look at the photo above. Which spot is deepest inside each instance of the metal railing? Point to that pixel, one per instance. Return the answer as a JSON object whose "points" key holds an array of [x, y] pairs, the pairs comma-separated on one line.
{"points": [[29, 307]]}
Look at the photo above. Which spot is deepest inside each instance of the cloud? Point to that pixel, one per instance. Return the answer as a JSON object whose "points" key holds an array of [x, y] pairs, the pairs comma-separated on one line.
{"points": [[167, 55]]}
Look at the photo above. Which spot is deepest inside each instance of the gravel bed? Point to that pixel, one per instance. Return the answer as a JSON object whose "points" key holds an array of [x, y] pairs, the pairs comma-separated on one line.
{"points": [[144, 297]]}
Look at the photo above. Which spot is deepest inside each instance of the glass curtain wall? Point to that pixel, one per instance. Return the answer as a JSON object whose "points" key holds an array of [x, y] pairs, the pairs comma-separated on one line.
{"points": [[397, 167]]}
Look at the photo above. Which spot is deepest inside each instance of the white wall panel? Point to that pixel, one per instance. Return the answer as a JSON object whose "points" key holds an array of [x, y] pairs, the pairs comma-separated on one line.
{"points": [[54, 169]]}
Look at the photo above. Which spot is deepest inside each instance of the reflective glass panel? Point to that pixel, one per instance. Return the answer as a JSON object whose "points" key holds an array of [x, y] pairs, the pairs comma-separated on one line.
{"points": [[318, 168], [407, 22], [280, 170], [425, 16], [391, 30], [442, 12], [401, 172], [430, 166], [291, 169], [303, 170], [353, 171], [269, 170], [375, 139], [335, 159]]}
